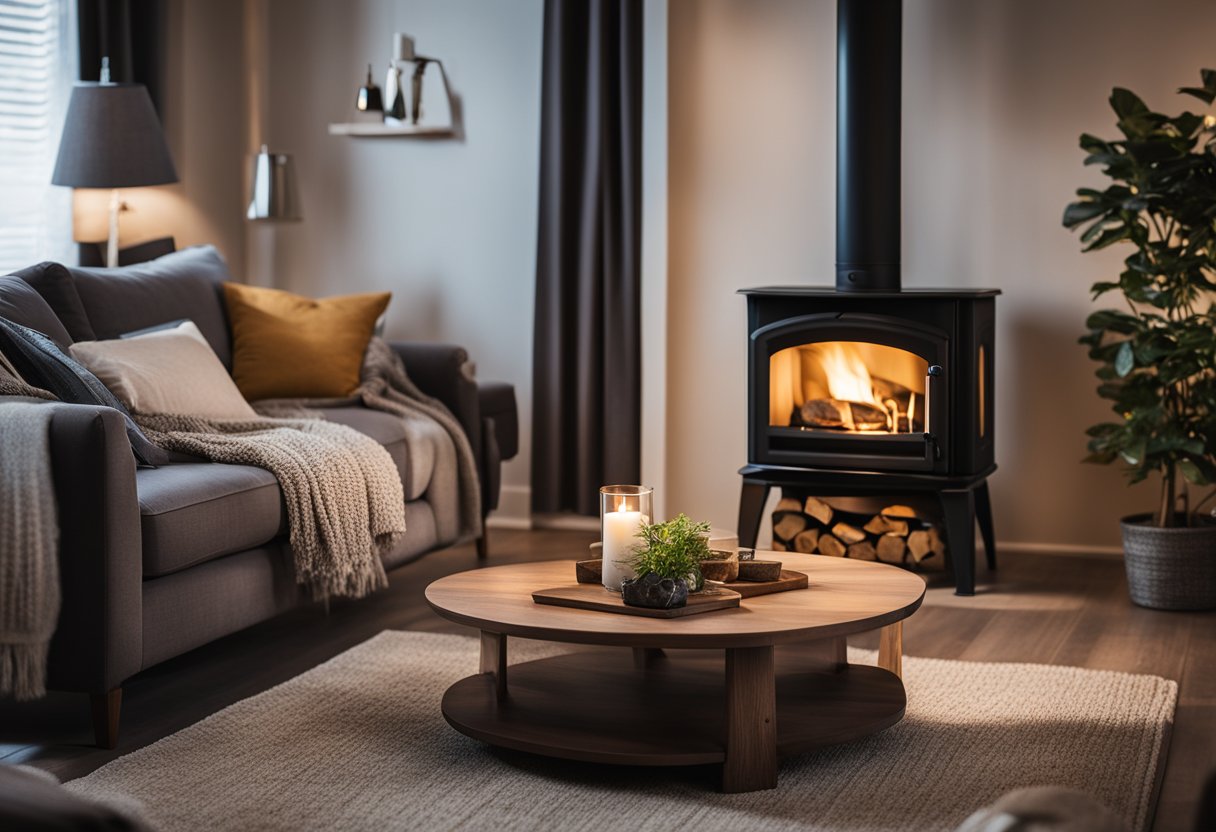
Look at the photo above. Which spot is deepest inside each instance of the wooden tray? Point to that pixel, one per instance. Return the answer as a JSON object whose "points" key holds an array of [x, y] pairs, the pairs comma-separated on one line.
{"points": [[595, 597], [788, 580]]}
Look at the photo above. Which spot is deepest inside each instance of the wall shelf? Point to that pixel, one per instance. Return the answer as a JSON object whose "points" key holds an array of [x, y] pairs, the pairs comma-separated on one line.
{"points": [[375, 129], [437, 93]]}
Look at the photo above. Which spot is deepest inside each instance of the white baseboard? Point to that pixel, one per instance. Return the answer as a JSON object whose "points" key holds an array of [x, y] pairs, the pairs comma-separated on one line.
{"points": [[514, 508]]}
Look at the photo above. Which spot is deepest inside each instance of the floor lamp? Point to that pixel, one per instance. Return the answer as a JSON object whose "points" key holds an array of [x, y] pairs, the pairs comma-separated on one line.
{"points": [[112, 139]]}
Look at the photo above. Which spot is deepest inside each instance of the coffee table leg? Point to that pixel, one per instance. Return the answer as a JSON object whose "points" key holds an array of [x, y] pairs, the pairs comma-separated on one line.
{"points": [[751, 721], [644, 657], [840, 654], [891, 648], [494, 660]]}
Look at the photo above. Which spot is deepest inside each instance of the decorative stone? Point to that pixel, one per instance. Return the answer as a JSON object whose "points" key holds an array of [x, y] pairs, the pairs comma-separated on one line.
{"points": [[654, 592], [759, 570]]}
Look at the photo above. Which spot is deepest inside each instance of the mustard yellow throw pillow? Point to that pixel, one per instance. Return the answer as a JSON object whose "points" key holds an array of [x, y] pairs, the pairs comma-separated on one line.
{"points": [[288, 346]]}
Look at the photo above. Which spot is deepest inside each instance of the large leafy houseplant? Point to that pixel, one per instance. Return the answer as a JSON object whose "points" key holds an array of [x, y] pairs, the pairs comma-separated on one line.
{"points": [[1156, 350]]}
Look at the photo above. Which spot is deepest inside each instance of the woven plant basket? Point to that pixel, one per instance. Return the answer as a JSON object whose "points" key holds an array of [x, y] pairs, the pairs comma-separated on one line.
{"points": [[1170, 568]]}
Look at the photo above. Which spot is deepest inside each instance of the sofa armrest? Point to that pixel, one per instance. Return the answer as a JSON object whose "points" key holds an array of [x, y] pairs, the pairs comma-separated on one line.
{"points": [[99, 638], [442, 371]]}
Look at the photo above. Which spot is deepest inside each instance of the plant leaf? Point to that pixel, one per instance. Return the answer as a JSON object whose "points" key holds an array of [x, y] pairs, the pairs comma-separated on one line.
{"points": [[1126, 103], [1125, 359], [1191, 471], [1078, 212]]}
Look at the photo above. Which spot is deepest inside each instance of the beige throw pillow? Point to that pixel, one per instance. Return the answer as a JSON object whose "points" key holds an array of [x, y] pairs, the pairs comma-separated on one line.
{"points": [[171, 371]]}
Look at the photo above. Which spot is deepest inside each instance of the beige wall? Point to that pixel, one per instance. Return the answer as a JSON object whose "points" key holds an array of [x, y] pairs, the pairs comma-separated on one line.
{"points": [[995, 96], [449, 226]]}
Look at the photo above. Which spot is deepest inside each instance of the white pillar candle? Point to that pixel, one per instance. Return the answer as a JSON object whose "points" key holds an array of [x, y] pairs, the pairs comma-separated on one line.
{"points": [[620, 544]]}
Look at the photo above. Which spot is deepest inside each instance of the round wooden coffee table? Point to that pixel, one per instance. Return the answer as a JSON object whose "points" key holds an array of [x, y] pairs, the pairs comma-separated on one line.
{"points": [[729, 699]]}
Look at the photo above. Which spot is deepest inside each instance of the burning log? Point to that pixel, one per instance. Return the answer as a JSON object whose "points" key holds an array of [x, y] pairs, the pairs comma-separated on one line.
{"points": [[835, 414]]}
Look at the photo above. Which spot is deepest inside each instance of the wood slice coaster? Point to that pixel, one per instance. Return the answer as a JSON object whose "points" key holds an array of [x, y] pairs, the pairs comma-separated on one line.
{"points": [[788, 580], [595, 597]]}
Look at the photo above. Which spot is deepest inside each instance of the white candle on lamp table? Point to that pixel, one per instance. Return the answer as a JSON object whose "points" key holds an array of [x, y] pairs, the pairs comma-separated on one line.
{"points": [[620, 543]]}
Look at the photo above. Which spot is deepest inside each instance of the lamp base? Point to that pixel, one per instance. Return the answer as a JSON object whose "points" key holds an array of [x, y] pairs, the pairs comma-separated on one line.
{"points": [[112, 242]]}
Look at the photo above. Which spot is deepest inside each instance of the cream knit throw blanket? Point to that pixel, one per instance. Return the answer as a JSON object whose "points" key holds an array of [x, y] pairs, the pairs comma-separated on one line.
{"points": [[386, 386], [345, 504], [29, 544]]}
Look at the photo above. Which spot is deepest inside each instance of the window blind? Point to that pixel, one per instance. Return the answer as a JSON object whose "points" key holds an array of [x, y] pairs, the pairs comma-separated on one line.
{"points": [[36, 72]]}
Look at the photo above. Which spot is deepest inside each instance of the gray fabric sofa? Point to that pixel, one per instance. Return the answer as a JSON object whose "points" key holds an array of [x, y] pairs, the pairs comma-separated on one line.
{"points": [[157, 561]]}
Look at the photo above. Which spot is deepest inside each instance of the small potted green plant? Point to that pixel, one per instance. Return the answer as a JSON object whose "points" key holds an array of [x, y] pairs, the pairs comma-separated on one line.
{"points": [[1157, 351], [667, 564]]}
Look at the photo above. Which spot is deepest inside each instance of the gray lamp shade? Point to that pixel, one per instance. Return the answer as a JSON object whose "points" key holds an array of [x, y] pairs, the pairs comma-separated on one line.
{"points": [[112, 139]]}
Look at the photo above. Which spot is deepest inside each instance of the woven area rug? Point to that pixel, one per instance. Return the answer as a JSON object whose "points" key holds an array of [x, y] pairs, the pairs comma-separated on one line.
{"points": [[359, 743]]}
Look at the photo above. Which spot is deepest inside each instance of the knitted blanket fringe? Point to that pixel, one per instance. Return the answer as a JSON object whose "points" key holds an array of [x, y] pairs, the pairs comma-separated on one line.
{"points": [[386, 386], [345, 503], [29, 544]]}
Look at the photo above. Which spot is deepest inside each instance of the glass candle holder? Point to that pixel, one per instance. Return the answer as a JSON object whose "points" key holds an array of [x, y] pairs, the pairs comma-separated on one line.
{"points": [[624, 509]]}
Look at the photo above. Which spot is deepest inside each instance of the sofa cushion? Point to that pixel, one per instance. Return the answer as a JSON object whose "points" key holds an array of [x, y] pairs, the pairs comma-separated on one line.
{"points": [[286, 345], [21, 304], [195, 512], [42, 363], [411, 445], [166, 371], [54, 282], [185, 284]]}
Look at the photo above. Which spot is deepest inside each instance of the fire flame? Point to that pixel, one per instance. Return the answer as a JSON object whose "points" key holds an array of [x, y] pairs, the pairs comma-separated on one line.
{"points": [[848, 378]]}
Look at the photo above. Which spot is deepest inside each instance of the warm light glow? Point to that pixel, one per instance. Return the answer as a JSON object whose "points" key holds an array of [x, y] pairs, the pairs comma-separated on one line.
{"points": [[1209, 121], [621, 505], [851, 386], [848, 378]]}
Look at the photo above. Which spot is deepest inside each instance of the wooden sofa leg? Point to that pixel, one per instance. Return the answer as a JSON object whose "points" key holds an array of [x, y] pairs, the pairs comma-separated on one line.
{"points": [[483, 546], [106, 709]]}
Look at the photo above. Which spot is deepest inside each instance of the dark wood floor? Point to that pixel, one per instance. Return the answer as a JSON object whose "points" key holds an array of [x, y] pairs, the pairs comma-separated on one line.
{"points": [[1048, 609]]}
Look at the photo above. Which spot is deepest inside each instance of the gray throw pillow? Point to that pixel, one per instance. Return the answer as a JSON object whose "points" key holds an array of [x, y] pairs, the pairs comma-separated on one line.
{"points": [[184, 284], [54, 282], [20, 303], [42, 364]]}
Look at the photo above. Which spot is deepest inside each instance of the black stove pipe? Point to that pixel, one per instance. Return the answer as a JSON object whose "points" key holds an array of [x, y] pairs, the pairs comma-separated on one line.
{"points": [[867, 145]]}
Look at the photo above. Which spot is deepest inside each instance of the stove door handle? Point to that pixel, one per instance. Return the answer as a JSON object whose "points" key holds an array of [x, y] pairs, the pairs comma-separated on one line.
{"points": [[933, 372]]}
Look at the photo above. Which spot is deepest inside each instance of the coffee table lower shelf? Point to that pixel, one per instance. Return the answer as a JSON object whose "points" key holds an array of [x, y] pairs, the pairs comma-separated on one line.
{"points": [[671, 709]]}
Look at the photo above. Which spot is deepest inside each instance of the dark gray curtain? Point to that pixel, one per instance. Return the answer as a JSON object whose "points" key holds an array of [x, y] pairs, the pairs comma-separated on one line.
{"points": [[587, 351], [131, 33]]}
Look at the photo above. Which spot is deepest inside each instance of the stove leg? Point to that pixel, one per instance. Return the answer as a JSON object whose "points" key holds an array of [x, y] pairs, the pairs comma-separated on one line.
{"points": [[959, 509], [983, 516], [751, 512]]}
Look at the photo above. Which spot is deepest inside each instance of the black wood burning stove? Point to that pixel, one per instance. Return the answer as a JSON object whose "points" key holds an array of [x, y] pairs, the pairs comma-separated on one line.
{"points": [[867, 389]]}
